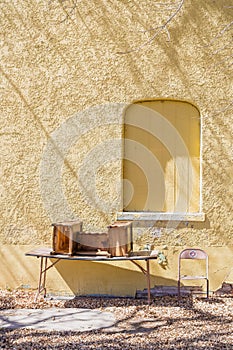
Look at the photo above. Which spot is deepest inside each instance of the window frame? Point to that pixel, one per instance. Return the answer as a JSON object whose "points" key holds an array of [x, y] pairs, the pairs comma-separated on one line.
{"points": [[198, 216]]}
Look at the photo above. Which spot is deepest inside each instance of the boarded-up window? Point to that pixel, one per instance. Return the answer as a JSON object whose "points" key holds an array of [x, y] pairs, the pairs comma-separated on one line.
{"points": [[161, 167]]}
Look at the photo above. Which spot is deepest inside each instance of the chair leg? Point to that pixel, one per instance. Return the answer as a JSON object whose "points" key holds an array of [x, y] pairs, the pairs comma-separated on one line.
{"points": [[178, 284], [207, 288]]}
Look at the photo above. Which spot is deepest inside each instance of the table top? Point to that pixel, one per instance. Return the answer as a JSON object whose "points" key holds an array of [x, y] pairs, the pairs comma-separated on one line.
{"points": [[47, 253]]}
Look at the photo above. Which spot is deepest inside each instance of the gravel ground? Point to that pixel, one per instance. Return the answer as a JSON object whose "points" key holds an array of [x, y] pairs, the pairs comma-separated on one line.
{"points": [[191, 323]]}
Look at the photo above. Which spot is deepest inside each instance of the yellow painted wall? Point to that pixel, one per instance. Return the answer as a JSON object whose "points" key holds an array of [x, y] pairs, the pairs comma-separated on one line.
{"points": [[64, 89]]}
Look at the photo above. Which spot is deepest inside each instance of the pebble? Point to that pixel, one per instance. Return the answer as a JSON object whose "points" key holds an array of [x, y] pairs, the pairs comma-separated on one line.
{"points": [[191, 323]]}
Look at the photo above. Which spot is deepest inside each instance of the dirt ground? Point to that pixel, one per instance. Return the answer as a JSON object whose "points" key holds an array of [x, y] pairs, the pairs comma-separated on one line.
{"points": [[191, 323]]}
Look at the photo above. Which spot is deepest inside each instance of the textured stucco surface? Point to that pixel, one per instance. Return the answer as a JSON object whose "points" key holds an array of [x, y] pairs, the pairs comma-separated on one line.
{"points": [[64, 87]]}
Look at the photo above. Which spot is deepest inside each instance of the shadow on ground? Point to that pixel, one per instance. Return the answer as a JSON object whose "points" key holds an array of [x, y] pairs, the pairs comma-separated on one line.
{"points": [[168, 323]]}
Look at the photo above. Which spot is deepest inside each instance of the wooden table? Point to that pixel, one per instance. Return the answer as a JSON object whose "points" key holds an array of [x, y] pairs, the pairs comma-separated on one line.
{"points": [[45, 254]]}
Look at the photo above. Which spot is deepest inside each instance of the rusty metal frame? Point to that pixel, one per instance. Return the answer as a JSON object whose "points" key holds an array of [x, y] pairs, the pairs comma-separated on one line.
{"points": [[42, 275], [146, 272], [44, 255]]}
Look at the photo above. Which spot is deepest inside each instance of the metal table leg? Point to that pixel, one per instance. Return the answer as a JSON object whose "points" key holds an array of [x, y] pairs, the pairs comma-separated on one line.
{"points": [[148, 281], [146, 272], [42, 275]]}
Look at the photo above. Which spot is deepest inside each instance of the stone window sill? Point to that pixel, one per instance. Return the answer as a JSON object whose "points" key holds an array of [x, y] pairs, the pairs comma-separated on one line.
{"points": [[160, 216]]}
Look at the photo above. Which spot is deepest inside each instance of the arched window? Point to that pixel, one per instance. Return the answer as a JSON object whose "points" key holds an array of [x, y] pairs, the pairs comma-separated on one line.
{"points": [[161, 166]]}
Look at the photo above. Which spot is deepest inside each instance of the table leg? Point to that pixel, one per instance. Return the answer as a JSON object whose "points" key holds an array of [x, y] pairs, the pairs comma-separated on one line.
{"points": [[148, 281], [146, 272], [42, 275]]}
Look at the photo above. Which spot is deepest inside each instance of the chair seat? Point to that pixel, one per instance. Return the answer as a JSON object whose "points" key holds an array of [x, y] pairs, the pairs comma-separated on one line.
{"points": [[193, 277]]}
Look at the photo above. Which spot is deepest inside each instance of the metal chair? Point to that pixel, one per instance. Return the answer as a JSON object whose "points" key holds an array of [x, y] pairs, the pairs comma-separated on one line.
{"points": [[193, 254]]}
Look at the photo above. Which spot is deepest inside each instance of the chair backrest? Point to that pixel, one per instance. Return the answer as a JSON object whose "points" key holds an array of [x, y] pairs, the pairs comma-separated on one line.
{"points": [[193, 254]]}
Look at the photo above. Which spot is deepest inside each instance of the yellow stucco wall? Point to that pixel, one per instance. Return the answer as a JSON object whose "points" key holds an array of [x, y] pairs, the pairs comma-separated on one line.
{"points": [[64, 88]]}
